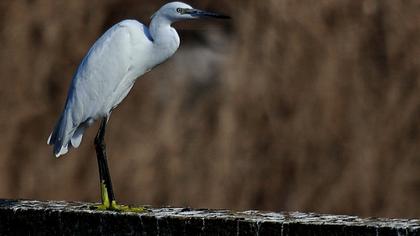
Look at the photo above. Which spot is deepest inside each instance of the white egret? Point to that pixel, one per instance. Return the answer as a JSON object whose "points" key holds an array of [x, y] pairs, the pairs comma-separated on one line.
{"points": [[106, 74]]}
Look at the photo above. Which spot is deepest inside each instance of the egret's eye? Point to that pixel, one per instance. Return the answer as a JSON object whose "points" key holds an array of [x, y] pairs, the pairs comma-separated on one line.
{"points": [[180, 10]]}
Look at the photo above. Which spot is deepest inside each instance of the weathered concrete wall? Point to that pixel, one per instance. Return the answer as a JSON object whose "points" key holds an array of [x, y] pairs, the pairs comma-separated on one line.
{"points": [[22, 217]]}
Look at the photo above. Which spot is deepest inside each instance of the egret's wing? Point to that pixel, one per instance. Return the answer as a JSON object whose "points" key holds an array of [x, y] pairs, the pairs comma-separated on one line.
{"points": [[103, 79], [107, 67]]}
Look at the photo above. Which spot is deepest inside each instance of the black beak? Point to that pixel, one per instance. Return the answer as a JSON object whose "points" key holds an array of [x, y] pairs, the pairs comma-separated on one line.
{"points": [[206, 14]]}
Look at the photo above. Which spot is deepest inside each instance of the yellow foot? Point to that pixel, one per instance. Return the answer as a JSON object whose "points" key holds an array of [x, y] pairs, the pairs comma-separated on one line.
{"points": [[119, 208], [113, 206]]}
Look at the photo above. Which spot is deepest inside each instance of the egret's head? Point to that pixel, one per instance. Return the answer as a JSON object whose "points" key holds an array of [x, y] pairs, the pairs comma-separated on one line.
{"points": [[177, 11]]}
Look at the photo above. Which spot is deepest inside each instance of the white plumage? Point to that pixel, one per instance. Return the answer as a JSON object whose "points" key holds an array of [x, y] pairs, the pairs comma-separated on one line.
{"points": [[108, 71], [102, 80]]}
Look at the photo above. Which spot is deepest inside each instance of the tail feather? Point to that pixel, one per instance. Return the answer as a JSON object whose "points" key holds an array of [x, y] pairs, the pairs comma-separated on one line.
{"points": [[61, 136], [63, 150], [76, 139], [49, 139]]}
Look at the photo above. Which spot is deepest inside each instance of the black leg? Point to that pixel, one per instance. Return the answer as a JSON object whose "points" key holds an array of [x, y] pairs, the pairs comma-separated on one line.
{"points": [[104, 176]]}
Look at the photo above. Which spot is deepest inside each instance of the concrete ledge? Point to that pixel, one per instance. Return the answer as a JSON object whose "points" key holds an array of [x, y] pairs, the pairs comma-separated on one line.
{"points": [[23, 217]]}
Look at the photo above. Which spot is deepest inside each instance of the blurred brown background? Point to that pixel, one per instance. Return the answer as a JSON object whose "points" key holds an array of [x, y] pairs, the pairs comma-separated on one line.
{"points": [[291, 105]]}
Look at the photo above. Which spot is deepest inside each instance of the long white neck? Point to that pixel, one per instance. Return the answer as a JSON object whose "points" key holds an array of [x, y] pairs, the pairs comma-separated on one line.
{"points": [[165, 38]]}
